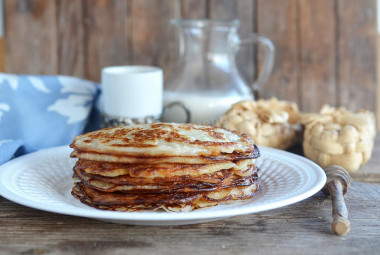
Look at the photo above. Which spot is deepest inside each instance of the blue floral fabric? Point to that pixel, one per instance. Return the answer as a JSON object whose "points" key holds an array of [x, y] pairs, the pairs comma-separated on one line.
{"points": [[38, 112]]}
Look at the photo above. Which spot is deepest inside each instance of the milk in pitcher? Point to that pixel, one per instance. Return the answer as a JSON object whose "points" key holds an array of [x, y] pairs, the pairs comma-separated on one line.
{"points": [[204, 109]]}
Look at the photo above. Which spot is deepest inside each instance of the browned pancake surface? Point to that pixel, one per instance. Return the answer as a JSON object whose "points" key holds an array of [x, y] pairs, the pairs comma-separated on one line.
{"points": [[110, 169], [224, 178], [186, 201], [175, 167], [164, 140]]}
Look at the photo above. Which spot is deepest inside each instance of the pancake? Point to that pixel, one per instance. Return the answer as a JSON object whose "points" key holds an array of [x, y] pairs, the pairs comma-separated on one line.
{"points": [[109, 169], [164, 140], [174, 167], [223, 178], [171, 202], [157, 160]]}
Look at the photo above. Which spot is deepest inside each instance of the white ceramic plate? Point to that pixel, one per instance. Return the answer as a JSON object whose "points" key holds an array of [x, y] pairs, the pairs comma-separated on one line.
{"points": [[42, 180]]}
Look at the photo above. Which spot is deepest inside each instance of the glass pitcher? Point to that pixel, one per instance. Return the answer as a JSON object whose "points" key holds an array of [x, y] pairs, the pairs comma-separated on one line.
{"points": [[206, 81]]}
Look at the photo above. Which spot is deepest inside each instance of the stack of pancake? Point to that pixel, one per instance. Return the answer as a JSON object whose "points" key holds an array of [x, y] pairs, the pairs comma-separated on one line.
{"points": [[175, 167]]}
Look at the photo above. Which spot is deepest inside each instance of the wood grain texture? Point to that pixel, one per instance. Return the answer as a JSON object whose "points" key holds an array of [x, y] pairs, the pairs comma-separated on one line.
{"points": [[357, 54], [301, 228], [154, 39], [107, 26], [31, 36], [326, 51], [223, 9], [282, 29], [340, 225], [192, 9], [244, 11], [246, 58], [71, 37], [317, 51]]}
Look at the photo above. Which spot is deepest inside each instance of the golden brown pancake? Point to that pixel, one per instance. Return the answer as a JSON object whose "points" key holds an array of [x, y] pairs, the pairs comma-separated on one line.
{"points": [[175, 202], [110, 169], [174, 167], [223, 178], [156, 160], [164, 140]]}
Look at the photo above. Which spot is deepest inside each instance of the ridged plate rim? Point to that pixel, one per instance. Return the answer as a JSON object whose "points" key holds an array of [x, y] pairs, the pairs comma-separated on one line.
{"points": [[308, 178]]}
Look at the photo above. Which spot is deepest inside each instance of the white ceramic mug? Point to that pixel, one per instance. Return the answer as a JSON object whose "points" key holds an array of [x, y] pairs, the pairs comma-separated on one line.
{"points": [[132, 91]]}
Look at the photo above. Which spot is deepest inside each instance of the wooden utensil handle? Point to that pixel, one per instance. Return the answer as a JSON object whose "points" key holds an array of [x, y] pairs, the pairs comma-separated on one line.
{"points": [[340, 225]]}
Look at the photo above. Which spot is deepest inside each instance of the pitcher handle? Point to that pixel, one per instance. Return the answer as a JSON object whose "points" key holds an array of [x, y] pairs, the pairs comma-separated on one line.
{"points": [[177, 104], [269, 61]]}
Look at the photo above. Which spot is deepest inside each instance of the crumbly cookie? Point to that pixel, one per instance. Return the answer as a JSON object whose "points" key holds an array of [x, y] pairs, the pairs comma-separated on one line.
{"points": [[338, 136], [270, 123]]}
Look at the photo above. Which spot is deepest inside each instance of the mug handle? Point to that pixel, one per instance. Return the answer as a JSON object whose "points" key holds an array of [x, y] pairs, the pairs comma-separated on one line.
{"points": [[179, 104], [269, 60]]}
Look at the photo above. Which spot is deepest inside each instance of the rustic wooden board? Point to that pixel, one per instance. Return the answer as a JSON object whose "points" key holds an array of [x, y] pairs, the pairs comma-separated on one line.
{"points": [[246, 58], [326, 51], [71, 38], [357, 54], [192, 9], [31, 36], [107, 26], [154, 39], [223, 9], [244, 11], [302, 228], [282, 29], [317, 54]]}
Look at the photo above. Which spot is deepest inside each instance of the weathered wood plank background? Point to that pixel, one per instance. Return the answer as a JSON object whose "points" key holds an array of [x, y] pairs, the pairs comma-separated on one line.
{"points": [[326, 50]]}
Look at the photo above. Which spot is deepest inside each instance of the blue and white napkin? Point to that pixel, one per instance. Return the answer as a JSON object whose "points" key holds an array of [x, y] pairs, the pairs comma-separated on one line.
{"points": [[38, 112]]}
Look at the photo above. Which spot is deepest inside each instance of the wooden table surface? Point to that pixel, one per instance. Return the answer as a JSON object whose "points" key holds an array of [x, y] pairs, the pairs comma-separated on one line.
{"points": [[301, 228]]}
